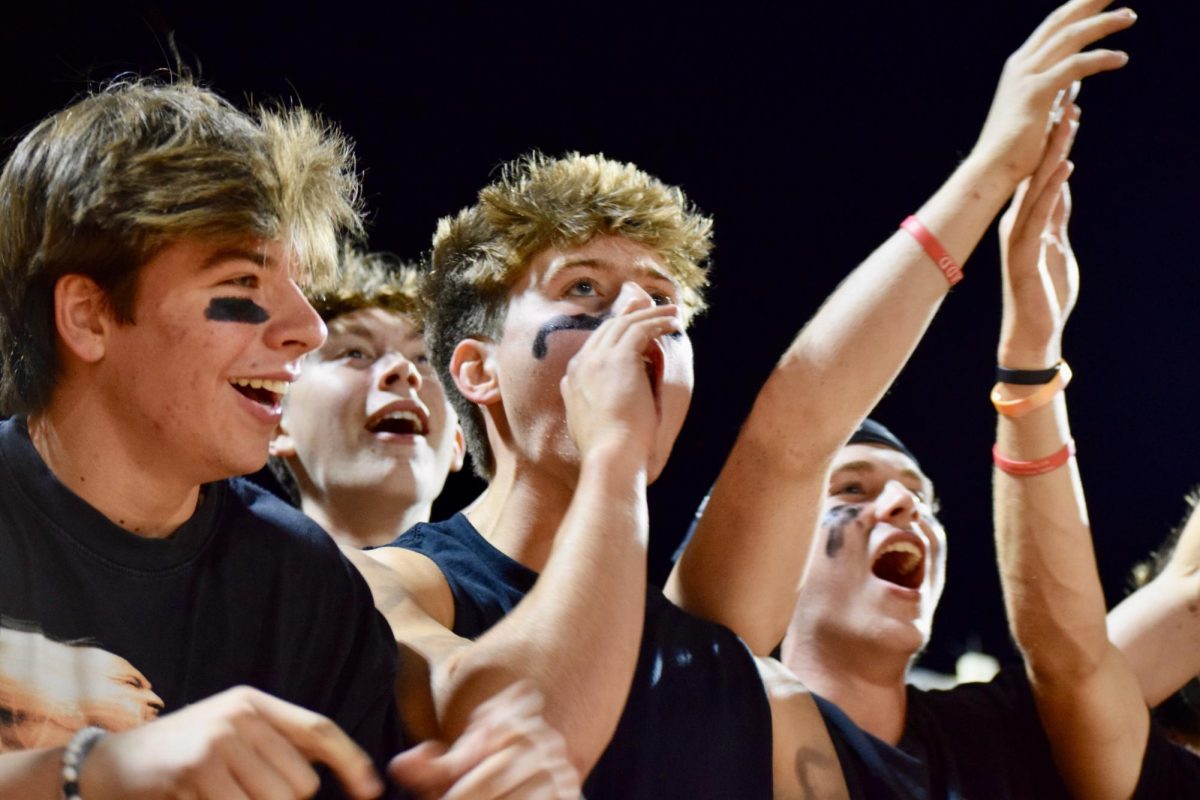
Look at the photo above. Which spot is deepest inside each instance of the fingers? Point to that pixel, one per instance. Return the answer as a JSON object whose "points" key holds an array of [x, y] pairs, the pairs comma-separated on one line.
{"points": [[275, 768], [1062, 138], [319, 739], [1083, 65], [1078, 35], [639, 325], [423, 770], [1060, 17]]}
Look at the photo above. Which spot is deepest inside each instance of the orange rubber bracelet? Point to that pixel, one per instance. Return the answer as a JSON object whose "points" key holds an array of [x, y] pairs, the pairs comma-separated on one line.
{"points": [[1041, 466], [933, 248], [1019, 408]]}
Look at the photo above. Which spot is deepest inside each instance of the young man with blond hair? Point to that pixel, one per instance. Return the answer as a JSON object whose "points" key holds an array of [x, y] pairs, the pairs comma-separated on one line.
{"points": [[557, 311]]}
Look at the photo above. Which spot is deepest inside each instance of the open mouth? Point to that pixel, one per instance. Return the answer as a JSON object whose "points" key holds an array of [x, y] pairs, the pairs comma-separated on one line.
{"points": [[902, 563], [262, 391], [399, 422]]}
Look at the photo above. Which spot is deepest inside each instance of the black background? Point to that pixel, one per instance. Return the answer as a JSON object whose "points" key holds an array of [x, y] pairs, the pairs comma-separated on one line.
{"points": [[808, 130]]}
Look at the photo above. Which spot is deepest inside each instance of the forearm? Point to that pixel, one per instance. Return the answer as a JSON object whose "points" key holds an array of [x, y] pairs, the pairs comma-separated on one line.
{"points": [[1158, 631], [1047, 564], [576, 635], [1087, 695], [743, 565], [31, 774]]}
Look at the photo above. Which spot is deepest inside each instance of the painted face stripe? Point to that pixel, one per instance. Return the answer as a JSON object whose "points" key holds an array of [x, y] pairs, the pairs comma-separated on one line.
{"points": [[837, 519], [236, 309], [576, 322]]}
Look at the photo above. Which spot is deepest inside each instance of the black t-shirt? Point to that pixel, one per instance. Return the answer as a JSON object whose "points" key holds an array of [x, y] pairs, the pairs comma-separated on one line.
{"points": [[1168, 770], [697, 723], [977, 740], [107, 627]]}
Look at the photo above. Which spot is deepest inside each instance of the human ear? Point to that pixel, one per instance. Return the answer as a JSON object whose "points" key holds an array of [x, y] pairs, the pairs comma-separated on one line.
{"points": [[460, 449], [82, 316], [474, 372]]}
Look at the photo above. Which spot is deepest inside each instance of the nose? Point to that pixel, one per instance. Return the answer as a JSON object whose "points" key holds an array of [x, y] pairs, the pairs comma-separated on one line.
{"points": [[294, 324], [399, 370], [897, 504]]}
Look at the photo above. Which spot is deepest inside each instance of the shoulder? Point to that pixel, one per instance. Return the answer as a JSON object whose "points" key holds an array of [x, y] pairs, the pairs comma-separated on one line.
{"points": [[278, 542]]}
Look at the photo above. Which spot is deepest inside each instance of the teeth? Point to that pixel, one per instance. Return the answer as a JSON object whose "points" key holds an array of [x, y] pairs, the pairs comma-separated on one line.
{"points": [[277, 387], [909, 549]]}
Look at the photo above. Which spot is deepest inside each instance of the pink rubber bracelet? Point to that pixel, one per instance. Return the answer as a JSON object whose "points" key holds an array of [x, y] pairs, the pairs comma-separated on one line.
{"points": [[1041, 466], [934, 249]]}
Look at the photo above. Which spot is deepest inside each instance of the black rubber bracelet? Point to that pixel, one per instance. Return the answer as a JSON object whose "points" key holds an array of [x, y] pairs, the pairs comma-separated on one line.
{"points": [[1026, 377]]}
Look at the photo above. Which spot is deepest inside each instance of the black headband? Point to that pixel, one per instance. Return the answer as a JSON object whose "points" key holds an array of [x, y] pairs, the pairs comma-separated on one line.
{"points": [[871, 432]]}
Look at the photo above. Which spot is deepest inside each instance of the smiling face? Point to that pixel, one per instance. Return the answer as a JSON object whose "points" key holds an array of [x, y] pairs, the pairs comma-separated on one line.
{"points": [[877, 567], [197, 380], [552, 310], [369, 415], [49, 690]]}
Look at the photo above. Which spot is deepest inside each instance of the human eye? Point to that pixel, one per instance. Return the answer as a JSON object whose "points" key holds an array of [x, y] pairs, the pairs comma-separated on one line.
{"points": [[847, 489], [243, 281], [661, 299], [583, 287]]}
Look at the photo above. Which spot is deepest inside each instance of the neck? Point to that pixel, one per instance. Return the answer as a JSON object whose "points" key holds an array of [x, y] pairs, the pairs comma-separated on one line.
{"points": [[87, 453], [867, 683], [521, 510], [365, 518]]}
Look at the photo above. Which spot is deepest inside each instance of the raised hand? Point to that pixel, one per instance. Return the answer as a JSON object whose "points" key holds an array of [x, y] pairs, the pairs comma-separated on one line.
{"points": [[610, 386], [1036, 76], [240, 744], [1041, 274], [507, 751]]}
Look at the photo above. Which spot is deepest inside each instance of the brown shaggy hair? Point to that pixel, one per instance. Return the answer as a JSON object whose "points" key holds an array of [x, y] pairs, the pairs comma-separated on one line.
{"points": [[102, 186], [539, 202], [369, 280]]}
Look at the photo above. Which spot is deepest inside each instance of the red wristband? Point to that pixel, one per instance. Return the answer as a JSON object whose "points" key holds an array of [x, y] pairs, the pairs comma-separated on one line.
{"points": [[1039, 467], [934, 249]]}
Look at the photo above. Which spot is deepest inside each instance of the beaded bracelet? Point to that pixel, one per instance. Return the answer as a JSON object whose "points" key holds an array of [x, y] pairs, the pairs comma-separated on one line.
{"points": [[1039, 467], [933, 248], [72, 759], [1019, 408]]}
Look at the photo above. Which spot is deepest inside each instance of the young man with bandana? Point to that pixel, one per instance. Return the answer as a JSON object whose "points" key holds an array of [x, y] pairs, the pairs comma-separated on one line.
{"points": [[166, 631], [877, 569], [556, 309]]}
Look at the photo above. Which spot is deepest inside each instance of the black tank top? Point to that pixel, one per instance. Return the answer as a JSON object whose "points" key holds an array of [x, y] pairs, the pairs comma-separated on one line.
{"points": [[697, 723]]}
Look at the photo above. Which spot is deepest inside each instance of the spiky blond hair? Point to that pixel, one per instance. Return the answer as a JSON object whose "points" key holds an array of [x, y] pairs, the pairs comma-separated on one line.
{"points": [[100, 187], [539, 202]]}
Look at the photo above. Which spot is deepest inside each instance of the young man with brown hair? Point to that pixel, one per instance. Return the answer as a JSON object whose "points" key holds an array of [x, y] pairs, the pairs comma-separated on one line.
{"points": [[152, 238]]}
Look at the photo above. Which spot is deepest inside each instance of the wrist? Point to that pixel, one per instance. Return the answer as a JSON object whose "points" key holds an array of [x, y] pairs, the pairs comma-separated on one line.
{"points": [[1027, 356], [989, 175]]}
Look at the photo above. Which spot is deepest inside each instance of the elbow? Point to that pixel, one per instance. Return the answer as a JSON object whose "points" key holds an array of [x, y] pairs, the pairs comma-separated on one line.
{"points": [[1055, 655]]}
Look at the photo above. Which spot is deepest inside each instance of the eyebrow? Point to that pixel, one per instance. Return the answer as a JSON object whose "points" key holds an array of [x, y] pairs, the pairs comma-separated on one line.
{"points": [[650, 272], [226, 254]]}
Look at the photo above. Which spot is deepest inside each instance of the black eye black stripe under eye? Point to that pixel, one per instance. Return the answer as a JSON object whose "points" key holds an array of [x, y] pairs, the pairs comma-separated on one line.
{"points": [[236, 309]]}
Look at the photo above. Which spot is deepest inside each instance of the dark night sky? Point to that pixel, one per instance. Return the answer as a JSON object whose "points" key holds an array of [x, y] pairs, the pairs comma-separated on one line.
{"points": [[808, 130]]}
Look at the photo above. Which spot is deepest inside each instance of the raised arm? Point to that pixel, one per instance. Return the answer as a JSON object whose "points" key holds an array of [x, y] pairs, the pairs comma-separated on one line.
{"points": [[744, 563], [575, 636], [1087, 695], [1157, 627]]}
